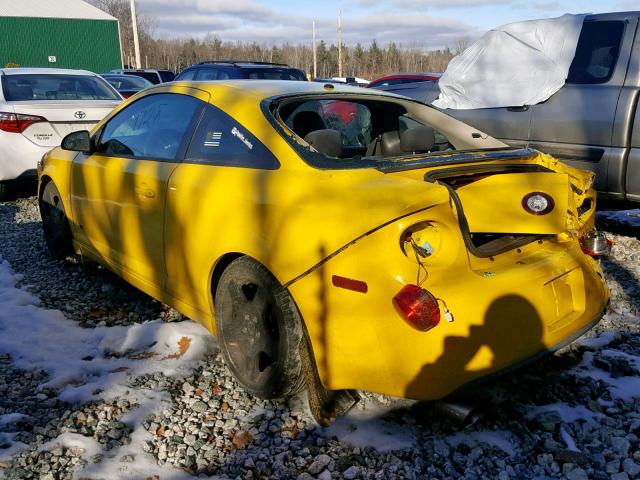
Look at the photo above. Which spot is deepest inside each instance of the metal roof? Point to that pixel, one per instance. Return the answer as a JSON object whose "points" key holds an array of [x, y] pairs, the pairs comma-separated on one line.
{"points": [[52, 9]]}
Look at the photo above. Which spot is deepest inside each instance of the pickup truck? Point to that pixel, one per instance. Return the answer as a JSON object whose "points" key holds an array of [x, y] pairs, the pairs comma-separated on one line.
{"points": [[592, 122]]}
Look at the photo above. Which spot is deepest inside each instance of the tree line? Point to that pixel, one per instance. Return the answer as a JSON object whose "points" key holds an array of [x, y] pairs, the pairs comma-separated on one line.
{"points": [[370, 61]]}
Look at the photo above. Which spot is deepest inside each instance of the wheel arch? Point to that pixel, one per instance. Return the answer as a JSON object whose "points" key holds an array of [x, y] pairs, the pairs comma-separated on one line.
{"points": [[216, 272]]}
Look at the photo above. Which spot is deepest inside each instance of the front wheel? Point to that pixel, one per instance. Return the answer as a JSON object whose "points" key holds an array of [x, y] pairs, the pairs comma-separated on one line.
{"points": [[260, 330], [57, 232]]}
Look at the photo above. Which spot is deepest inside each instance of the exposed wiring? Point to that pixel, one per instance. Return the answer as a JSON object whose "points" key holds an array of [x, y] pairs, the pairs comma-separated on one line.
{"points": [[448, 316], [421, 267]]}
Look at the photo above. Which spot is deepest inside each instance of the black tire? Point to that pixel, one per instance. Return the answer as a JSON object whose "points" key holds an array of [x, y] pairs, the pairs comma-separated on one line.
{"points": [[259, 329], [55, 224]]}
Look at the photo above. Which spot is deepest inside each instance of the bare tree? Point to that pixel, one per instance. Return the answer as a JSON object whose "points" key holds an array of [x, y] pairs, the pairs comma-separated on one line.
{"points": [[461, 44], [370, 61]]}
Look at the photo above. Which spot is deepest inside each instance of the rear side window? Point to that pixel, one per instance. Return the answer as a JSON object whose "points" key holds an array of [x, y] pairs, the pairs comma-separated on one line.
{"points": [[187, 75], [274, 74], [212, 74], [597, 52], [220, 140], [153, 127], [56, 87]]}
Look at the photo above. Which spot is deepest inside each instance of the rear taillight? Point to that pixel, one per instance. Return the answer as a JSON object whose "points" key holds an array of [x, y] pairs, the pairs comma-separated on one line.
{"points": [[417, 307], [595, 244], [125, 95], [17, 122]]}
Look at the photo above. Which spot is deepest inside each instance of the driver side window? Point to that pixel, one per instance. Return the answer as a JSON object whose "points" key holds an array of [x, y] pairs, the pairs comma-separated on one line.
{"points": [[153, 127]]}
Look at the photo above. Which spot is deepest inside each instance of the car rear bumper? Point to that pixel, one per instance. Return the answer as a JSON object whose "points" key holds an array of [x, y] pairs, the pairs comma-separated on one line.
{"points": [[18, 156], [506, 309]]}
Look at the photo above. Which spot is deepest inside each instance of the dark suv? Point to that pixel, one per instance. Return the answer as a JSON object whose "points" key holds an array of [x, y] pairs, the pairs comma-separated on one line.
{"points": [[229, 69]]}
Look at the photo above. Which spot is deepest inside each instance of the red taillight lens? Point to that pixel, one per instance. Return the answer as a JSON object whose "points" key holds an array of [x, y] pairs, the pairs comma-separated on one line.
{"points": [[17, 122], [418, 307], [125, 95]]}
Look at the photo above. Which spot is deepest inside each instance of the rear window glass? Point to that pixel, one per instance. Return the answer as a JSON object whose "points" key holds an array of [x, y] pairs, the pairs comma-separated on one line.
{"points": [[596, 53], [56, 87], [351, 119], [361, 132], [274, 74]]}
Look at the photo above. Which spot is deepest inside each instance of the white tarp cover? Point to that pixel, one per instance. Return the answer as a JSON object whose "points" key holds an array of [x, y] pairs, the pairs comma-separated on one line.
{"points": [[521, 63]]}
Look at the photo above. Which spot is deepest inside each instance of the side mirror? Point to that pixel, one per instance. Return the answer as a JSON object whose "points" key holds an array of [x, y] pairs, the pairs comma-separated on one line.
{"points": [[77, 142]]}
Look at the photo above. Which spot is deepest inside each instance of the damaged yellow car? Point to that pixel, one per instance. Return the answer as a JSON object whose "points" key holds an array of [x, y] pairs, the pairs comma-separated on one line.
{"points": [[333, 238]]}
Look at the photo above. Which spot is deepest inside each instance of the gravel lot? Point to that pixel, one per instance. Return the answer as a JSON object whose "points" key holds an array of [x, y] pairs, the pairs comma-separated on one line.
{"points": [[572, 415]]}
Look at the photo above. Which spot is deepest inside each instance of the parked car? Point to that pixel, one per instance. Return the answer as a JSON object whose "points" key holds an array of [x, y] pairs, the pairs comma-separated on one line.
{"points": [[38, 107], [401, 78], [126, 85], [151, 74], [401, 252], [593, 121], [166, 75], [232, 69]]}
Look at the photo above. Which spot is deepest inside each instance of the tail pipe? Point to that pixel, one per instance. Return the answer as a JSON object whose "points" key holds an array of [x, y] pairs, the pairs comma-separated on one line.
{"points": [[461, 413]]}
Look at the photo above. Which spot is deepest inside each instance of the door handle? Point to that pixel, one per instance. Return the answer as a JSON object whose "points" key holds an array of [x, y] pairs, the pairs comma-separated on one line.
{"points": [[523, 108]]}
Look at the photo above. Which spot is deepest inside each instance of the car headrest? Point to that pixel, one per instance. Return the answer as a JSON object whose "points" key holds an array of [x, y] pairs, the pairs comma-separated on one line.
{"points": [[307, 121], [326, 141], [417, 139]]}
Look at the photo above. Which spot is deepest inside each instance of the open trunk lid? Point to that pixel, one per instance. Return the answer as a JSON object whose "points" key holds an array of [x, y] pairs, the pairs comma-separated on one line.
{"points": [[499, 200]]}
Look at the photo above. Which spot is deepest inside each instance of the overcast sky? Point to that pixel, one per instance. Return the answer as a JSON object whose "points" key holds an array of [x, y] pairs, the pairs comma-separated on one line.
{"points": [[427, 23]]}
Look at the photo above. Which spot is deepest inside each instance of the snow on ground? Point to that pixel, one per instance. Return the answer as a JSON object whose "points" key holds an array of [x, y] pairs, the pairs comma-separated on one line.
{"points": [[365, 426], [96, 363], [86, 364]]}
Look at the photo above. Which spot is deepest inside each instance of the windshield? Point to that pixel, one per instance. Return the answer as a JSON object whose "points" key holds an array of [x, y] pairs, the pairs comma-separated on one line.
{"points": [[56, 87], [127, 82]]}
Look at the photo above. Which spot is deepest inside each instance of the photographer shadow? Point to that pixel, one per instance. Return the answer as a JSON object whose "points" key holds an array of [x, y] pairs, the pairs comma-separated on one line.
{"points": [[510, 334]]}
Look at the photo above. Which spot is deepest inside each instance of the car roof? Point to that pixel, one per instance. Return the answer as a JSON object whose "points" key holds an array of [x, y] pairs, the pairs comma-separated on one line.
{"points": [[240, 64], [44, 71], [409, 75], [273, 88], [118, 70]]}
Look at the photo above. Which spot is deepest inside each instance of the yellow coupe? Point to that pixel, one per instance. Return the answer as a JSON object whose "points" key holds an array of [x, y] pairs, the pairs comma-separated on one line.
{"points": [[332, 237]]}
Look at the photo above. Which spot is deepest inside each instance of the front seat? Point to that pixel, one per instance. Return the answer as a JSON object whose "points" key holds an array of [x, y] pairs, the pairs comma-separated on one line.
{"points": [[326, 141], [306, 122], [418, 139]]}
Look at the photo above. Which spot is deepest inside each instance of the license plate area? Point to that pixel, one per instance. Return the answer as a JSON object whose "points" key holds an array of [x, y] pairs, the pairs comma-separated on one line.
{"points": [[565, 299]]}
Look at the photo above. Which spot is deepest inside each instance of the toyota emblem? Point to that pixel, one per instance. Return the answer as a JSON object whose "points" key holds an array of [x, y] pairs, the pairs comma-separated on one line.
{"points": [[80, 114]]}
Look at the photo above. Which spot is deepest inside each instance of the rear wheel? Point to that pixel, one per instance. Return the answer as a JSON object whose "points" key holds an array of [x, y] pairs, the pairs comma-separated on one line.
{"points": [[55, 224], [260, 330]]}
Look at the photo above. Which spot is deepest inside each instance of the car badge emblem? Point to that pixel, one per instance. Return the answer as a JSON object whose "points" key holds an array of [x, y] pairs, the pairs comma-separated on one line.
{"points": [[80, 114]]}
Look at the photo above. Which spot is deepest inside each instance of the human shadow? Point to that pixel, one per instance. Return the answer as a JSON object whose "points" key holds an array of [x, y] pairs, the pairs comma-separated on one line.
{"points": [[510, 334]]}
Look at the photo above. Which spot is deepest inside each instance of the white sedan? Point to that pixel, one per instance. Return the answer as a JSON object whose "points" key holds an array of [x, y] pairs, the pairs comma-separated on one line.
{"points": [[38, 107]]}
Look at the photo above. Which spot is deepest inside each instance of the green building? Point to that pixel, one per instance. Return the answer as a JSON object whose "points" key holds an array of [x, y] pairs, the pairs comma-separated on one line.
{"points": [[58, 34]]}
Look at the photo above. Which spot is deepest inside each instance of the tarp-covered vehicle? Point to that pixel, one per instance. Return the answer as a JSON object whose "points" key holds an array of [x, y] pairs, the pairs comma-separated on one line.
{"points": [[331, 236]]}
